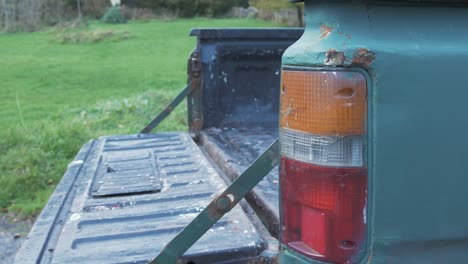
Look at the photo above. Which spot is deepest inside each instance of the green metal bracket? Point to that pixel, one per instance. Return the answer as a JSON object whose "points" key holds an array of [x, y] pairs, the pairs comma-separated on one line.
{"points": [[219, 206], [167, 111], [194, 73]]}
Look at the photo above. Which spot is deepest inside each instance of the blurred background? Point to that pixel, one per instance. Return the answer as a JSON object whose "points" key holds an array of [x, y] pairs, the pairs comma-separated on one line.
{"points": [[32, 15]]}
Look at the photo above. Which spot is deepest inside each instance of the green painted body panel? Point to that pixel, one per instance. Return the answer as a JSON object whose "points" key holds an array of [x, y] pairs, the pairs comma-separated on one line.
{"points": [[416, 58]]}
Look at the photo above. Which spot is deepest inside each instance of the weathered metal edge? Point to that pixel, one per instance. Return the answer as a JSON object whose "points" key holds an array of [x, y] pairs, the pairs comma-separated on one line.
{"points": [[247, 33], [33, 249], [271, 252], [269, 217]]}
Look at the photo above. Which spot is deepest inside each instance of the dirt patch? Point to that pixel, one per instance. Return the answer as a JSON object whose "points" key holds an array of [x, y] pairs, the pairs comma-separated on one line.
{"points": [[12, 234]]}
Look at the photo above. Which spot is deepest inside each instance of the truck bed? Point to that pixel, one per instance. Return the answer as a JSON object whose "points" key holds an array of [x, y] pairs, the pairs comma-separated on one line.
{"points": [[131, 221], [124, 198], [233, 150]]}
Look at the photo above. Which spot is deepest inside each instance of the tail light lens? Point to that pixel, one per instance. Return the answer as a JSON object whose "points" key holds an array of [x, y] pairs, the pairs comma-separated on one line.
{"points": [[323, 174]]}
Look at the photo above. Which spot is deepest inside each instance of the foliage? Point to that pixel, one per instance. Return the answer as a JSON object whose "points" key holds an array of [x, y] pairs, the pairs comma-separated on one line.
{"points": [[56, 97], [92, 36], [34, 160], [113, 16], [135, 13], [187, 8], [280, 11], [95, 8], [29, 15], [270, 5]]}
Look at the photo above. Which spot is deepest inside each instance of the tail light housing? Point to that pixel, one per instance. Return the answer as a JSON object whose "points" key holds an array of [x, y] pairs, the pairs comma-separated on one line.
{"points": [[323, 175]]}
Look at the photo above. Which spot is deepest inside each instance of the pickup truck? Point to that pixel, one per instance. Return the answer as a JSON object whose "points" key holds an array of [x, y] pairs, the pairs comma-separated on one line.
{"points": [[368, 108]]}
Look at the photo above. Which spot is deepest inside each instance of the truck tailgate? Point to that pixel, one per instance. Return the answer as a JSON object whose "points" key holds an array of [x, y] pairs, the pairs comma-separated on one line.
{"points": [[234, 149], [125, 197]]}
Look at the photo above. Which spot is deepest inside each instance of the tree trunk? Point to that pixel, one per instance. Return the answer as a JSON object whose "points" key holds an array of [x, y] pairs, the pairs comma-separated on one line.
{"points": [[58, 10], [78, 5], [29, 14], [6, 15], [10, 15], [300, 15]]}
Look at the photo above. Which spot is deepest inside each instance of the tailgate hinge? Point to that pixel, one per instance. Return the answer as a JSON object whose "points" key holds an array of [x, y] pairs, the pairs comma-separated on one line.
{"points": [[194, 102], [194, 67]]}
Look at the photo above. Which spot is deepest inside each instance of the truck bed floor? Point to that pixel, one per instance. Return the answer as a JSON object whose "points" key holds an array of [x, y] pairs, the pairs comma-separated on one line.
{"points": [[127, 196], [234, 149]]}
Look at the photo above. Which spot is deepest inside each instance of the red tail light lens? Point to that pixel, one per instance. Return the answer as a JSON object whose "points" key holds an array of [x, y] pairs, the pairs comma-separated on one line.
{"points": [[323, 177], [323, 210]]}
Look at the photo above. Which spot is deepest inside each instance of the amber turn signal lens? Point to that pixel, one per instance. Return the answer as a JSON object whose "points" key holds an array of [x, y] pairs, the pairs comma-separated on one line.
{"points": [[324, 102]]}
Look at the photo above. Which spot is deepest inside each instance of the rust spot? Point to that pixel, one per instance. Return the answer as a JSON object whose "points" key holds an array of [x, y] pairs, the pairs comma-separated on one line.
{"points": [[363, 57], [334, 58], [168, 109], [325, 30], [196, 124]]}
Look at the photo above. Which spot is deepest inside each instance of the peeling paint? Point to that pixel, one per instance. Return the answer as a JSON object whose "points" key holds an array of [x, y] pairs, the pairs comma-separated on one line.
{"points": [[325, 31], [288, 112], [75, 216], [363, 57], [76, 162], [334, 58], [224, 77]]}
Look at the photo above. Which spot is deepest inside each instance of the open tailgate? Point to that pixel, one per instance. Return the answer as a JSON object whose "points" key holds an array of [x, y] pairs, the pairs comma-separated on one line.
{"points": [[125, 197]]}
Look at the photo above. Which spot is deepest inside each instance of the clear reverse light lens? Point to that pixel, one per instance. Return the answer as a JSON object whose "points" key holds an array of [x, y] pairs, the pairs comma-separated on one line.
{"points": [[330, 151]]}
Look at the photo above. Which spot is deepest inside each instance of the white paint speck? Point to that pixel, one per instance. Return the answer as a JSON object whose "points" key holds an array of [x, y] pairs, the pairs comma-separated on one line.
{"points": [[75, 217], [364, 213], [76, 162]]}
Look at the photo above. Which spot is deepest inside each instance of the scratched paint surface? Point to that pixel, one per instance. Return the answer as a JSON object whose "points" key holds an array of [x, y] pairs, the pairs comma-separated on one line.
{"points": [[133, 227], [415, 57]]}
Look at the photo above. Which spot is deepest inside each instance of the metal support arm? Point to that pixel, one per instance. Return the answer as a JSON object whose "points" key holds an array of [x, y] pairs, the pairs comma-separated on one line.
{"points": [[167, 111], [194, 72]]}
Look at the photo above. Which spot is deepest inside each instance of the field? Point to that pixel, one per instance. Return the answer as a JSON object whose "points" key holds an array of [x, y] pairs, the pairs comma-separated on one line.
{"points": [[61, 87]]}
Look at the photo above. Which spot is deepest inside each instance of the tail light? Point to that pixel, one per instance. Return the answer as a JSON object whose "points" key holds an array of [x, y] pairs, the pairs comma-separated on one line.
{"points": [[323, 174]]}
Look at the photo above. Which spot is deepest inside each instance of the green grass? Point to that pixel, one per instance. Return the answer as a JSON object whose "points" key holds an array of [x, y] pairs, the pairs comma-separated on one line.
{"points": [[56, 95]]}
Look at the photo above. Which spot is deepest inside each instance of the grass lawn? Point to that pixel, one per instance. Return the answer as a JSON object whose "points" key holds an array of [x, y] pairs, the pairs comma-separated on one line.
{"points": [[57, 94]]}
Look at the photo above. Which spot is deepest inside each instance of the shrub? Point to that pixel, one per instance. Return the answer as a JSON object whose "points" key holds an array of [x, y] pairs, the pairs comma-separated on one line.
{"points": [[95, 8], [270, 5], [113, 16], [187, 8], [94, 36], [135, 13], [215, 7]]}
